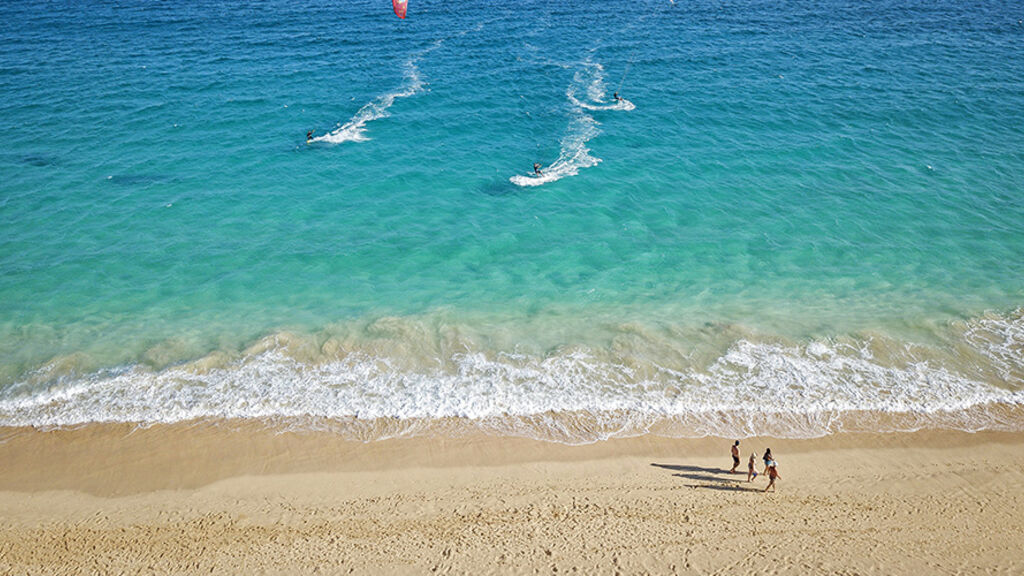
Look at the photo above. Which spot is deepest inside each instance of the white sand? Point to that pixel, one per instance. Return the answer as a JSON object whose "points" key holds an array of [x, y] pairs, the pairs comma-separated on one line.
{"points": [[107, 500]]}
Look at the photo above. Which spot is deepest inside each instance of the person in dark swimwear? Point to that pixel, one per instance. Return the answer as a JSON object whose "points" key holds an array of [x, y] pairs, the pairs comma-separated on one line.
{"points": [[536, 169], [617, 97], [772, 475], [309, 135], [767, 458], [735, 457]]}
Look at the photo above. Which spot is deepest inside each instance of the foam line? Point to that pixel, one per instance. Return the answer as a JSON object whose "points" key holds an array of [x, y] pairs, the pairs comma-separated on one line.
{"points": [[1001, 341], [575, 395]]}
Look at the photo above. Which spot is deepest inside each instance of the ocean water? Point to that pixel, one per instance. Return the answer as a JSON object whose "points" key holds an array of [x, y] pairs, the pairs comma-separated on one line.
{"points": [[802, 218]]}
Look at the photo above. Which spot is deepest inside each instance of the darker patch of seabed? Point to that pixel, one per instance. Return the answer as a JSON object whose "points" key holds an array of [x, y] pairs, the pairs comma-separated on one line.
{"points": [[39, 160]]}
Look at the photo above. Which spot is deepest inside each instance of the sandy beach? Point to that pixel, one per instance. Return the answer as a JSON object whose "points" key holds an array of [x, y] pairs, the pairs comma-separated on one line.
{"points": [[110, 499]]}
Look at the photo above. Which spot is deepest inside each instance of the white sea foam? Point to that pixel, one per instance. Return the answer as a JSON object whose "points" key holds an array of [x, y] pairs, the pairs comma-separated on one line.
{"points": [[1001, 340], [623, 104], [355, 129], [573, 155], [588, 80], [591, 81], [573, 395]]}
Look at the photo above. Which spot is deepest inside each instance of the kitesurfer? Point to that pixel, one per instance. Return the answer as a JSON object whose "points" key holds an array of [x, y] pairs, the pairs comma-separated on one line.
{"points": [[309, 135], [536, 169], [617, 97]]}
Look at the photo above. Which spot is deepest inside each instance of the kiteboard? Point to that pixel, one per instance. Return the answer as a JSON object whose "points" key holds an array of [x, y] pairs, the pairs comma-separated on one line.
{"points": [[533, 179]]}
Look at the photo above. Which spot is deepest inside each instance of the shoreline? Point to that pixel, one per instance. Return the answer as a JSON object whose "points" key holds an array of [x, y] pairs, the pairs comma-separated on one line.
{"points": [[201, 499]]}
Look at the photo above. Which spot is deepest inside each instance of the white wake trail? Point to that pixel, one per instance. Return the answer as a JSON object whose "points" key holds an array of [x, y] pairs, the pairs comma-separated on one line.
{"points": [[586, 92], [573, 155], [355, 129], [591, 81]]}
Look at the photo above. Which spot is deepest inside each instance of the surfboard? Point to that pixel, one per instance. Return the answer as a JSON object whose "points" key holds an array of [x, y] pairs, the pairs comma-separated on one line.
{"points": [[531, 179]]}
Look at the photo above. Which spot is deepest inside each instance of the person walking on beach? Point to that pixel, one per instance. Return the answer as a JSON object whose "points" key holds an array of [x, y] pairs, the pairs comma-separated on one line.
{"points": [[735, 457], [751, 473], [767, 458], [772, 475]]}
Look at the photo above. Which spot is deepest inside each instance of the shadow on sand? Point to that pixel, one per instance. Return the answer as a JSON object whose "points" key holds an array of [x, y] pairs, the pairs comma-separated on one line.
{"points": [[730, 487], [680, 468], [719, 477]]}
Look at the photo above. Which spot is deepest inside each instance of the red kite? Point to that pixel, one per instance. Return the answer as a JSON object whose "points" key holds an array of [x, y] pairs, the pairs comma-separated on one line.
{"points": [[400, 6]]}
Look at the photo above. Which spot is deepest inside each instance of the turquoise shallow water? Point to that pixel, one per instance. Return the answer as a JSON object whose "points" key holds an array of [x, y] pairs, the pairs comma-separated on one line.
{"points": [[820, 204]]}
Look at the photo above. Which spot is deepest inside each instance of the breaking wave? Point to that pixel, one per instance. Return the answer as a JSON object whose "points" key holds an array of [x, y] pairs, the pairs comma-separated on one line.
{"points": [[370, 388]]}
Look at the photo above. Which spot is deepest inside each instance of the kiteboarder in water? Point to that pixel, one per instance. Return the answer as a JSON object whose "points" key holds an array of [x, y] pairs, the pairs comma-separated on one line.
{"points": [[617, 97], [536, 169], [309, 135]]}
